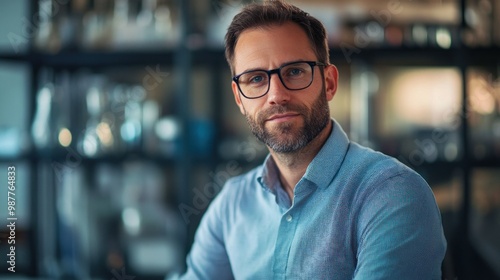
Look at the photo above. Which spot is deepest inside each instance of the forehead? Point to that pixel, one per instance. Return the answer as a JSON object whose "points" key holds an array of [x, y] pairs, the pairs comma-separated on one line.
{"points": [[271, 46]]}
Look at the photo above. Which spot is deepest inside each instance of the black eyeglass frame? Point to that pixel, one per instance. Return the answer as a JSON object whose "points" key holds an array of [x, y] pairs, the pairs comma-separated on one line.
{"points": [[278, 72]]}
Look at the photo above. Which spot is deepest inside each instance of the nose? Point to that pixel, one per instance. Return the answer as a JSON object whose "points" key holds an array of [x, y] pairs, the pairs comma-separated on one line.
{"points": [[278, 93]]}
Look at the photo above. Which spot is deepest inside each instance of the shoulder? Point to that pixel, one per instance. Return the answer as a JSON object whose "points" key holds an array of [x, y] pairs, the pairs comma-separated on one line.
{"points": [[377, 180], [375, 167], [242, 183], [392, 204], [235, 190], [382, 184]]}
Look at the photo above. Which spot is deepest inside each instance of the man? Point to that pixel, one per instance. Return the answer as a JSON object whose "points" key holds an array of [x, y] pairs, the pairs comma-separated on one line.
{"points": [[320, 207]]}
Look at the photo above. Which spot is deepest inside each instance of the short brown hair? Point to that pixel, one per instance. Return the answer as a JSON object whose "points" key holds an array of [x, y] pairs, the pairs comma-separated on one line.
{"points": [[276, 12]]}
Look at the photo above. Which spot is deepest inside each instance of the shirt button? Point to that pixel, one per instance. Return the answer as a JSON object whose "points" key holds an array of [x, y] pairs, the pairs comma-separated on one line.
{"points": [[288, 218]]}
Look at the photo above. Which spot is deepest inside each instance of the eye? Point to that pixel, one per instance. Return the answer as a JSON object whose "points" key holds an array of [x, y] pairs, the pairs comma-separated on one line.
{"points": [[295, 71], [257, 78]]}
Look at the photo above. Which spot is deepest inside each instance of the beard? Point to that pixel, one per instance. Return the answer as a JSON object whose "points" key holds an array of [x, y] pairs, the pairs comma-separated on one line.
{"points": [[286, 137]]}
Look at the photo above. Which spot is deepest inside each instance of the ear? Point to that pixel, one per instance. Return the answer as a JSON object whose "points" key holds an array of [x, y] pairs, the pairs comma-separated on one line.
{"points": [[237, 96], [331, 79]]}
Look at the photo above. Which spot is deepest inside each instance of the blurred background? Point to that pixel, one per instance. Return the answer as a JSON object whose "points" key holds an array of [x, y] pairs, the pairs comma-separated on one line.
{"points": [[119, 119]]}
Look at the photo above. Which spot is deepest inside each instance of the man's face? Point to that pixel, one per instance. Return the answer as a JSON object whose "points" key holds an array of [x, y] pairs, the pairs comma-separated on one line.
{"points": [[285, 120]]}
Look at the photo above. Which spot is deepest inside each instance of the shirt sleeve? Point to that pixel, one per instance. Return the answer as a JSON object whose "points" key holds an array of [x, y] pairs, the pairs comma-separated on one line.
{"points": [[208, 258], [400, 233]]}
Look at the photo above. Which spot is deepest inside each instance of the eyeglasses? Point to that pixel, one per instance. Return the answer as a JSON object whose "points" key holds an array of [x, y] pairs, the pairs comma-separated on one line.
{"points": [[294, 76]]}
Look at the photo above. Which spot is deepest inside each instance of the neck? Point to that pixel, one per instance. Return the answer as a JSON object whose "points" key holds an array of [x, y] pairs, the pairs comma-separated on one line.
{"points": [[293, 166]]}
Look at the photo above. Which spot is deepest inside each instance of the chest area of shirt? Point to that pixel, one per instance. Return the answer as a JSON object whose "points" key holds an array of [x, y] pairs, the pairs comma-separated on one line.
{"points": [[313, 236]]}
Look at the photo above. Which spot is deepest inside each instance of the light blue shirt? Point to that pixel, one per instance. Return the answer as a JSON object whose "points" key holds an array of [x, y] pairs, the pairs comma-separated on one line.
{"points": [[356, 214]]}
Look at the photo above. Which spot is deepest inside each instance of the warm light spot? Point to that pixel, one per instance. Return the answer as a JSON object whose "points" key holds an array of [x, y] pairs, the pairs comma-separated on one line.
{"points": [[482, 98], [427, 97], [65, 137], [104, 133]]}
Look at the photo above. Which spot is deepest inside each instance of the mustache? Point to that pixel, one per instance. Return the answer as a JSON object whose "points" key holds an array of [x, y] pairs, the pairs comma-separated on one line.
{"points": [[279, 109]]}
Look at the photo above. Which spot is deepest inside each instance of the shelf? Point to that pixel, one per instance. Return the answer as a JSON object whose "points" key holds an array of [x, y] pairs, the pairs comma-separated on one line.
{"points": [[62, 157], [73, 157], [484, 56], [94, 59], [394, 56], [418, 56], [14, 57], [490, 163]]}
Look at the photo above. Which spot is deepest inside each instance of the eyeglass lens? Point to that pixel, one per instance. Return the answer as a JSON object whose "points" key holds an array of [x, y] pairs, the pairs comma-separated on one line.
{"points": [[294, 76]]}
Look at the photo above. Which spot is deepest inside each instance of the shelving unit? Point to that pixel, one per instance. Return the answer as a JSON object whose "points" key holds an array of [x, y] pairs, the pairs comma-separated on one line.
{"points": [[47, 251]]}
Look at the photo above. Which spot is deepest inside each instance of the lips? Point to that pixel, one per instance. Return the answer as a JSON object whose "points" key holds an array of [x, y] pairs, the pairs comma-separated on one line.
{"points": [[282, 117]]}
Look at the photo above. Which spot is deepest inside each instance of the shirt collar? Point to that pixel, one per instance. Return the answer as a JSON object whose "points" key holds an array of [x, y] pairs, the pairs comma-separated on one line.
{"points": [[269, 176], [328, 161], [322, 168]]}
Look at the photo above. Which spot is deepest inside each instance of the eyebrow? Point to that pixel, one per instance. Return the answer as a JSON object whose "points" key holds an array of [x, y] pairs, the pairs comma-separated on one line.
{"points": [[261, 69]]}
